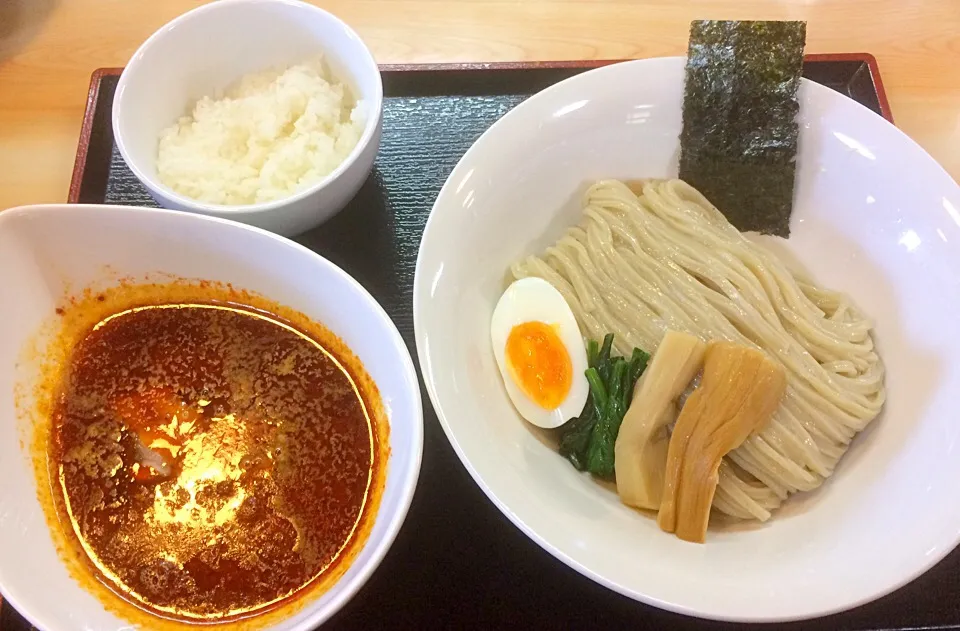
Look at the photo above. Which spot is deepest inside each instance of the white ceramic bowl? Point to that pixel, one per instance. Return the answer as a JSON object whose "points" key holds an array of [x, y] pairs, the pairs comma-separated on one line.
{"points": [[204, 51], [44, 248], [875, 216]]}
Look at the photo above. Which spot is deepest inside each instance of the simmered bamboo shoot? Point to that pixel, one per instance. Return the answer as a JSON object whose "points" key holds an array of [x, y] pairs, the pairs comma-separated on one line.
{"points": [[739, 391], [641, 447]]}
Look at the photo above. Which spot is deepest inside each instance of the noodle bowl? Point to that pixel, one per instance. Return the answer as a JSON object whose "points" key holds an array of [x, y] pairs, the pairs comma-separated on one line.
{"points": [[879, 226], [637, 266]]}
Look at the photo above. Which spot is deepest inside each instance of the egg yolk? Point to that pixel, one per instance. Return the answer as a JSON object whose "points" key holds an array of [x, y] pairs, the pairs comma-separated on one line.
{"points": [[539, 363]]}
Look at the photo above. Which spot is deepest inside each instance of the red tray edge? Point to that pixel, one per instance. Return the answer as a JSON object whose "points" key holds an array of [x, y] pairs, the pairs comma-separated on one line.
{"points": [[86, 128], [98, 75]]}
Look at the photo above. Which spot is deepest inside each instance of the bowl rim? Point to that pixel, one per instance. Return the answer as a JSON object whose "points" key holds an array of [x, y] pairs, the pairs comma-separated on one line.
{"points": [[422, 292], [374, 113], [314, 614]]}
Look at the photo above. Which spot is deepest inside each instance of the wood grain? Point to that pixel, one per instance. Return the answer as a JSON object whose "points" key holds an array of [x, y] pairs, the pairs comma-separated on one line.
{"points": [[49, 48]]}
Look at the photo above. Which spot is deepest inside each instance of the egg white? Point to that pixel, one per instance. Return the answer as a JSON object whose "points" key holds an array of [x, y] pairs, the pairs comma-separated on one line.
{"points": [[534, 299]]}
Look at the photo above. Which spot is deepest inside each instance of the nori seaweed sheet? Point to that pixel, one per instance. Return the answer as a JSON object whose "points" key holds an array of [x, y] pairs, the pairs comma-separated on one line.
{"points": [[739, 141]]}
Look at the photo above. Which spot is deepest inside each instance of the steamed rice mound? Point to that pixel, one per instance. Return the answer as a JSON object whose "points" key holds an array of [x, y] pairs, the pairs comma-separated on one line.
{"points": [[270, 135]]}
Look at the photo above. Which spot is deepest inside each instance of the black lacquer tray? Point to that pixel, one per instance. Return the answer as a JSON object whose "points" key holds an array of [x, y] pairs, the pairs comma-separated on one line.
{"points": [[458, 563]]}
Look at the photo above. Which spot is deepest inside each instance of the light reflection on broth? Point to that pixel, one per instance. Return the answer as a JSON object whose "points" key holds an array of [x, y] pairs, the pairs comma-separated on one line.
{"points": [[212, 460]]}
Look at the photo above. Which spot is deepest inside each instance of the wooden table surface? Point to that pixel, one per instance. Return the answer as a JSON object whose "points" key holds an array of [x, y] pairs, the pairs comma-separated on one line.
{"points": [[48, 49]]}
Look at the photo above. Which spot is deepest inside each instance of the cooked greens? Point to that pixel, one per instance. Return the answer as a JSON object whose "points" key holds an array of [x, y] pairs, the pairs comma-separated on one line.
{"points": [[588, 440], [739, 141]]}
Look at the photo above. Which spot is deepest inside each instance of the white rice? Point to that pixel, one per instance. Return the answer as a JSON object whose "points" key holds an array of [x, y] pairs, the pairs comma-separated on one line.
{"points": [[270, 135]]}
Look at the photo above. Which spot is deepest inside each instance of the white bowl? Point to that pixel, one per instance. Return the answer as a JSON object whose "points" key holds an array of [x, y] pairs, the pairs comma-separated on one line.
{"points": [[875, 216], [45, 248], [204, 51]]}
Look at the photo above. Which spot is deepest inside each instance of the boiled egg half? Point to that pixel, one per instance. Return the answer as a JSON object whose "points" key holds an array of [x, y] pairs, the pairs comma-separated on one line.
{"points": [[540, 353]]}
